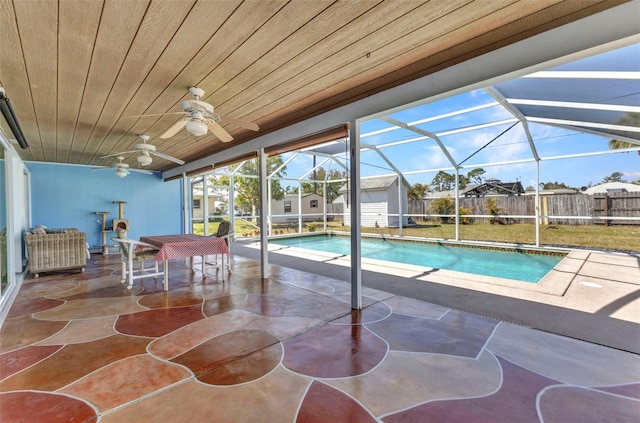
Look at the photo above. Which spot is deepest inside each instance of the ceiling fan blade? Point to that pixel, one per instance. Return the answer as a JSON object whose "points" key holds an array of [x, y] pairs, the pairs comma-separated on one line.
{"points": [[146, 172], [241, 123], [174, 129], [118, 154], [167, 157], [159, 114], [218, 131]]}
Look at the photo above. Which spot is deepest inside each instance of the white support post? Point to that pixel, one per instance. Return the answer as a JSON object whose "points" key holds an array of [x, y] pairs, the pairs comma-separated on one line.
{"points": [[232, 203], [205, 205], [264, 246], [457, 204], [400, 205], [356, 231], [299, 207], [186, 209], [269, 197], [324, 206], [537, 203]]}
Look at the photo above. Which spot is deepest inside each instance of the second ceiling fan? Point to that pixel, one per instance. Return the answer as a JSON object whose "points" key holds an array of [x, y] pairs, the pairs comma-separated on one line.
{"points": [[201, 119], [145, 152]]}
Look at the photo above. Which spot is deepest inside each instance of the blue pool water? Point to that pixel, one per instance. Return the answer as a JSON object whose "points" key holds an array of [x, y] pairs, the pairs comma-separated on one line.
{"points": [[516, 265]]}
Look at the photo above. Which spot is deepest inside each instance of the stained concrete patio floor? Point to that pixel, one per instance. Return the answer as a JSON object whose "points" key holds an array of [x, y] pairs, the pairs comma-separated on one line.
{"points": [[80, 347]]}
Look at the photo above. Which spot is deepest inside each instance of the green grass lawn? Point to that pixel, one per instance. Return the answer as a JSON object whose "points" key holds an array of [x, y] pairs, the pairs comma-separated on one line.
{"points": [[617, 237]]}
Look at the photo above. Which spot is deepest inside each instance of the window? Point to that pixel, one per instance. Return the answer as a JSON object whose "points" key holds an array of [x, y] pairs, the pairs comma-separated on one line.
{"points": [[196, 203], [287, 206], [314, 204]]}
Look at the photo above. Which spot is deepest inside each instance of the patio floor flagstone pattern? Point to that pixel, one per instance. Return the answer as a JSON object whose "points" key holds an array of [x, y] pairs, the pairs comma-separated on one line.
{"points": [[80, 347]]}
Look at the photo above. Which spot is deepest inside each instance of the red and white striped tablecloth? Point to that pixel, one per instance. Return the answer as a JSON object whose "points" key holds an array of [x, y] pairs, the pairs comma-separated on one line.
{"points": [[188, 245]]}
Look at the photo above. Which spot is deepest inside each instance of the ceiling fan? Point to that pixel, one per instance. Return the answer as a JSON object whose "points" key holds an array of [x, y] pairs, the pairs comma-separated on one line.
{"points": [[123, 169], [146, 151], [201, 118]]}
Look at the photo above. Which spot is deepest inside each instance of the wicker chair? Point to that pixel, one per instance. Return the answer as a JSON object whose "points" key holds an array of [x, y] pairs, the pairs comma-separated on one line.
{"points": [[135, 250], [56, 249]]}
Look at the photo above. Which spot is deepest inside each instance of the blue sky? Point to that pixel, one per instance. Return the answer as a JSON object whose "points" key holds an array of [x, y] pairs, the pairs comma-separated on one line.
{"points": [[511, 146], [412, 152]]}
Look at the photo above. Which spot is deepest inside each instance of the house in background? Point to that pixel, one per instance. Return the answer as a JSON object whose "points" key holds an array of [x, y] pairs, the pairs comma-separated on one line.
{"points": [[612, 188], [555, 191], [494, 186], [379, 202], [217, 198], [430, 195], [287, 209]]}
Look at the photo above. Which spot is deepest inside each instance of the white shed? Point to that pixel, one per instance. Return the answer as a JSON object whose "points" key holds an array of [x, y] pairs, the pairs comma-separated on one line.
{"points": [[379, 200], [287, 210]]}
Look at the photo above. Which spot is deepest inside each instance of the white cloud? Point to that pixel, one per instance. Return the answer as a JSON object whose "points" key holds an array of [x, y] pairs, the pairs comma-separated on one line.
{"points": [[429, 157]]}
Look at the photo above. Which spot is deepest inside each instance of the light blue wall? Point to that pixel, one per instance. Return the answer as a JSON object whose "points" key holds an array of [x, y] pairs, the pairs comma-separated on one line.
{"points": [[68, 196]]}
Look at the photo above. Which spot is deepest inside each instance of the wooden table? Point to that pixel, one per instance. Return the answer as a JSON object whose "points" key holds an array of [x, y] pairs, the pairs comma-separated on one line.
{"points": [[187, 245]]}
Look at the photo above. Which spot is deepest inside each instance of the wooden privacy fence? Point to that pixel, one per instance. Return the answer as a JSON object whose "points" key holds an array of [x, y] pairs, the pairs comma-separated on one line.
{"points": [[571, 209], [619, 205]]}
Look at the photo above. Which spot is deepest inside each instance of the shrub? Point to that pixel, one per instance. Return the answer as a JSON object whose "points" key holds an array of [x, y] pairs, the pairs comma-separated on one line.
{"points": [[447, 205], [311, 226], [444, 205], [464, 211], [495, 211]]}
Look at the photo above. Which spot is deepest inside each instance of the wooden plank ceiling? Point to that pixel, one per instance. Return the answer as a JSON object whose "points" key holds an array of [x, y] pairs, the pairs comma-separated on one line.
{"points": [[76, 71]]}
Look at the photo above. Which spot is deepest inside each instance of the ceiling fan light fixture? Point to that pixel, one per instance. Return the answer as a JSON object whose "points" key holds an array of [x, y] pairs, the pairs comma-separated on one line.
{"points": [[144, 159], [121, 173], [197, 128]]}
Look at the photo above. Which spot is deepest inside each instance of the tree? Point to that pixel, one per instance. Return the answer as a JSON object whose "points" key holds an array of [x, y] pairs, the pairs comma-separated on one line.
{"points": [[476, 175], [248, 189], [443, 181], [417, 191], [321, 175], [291, 190], [614, 177], [333, 189], [463, 181], [554, 185]]}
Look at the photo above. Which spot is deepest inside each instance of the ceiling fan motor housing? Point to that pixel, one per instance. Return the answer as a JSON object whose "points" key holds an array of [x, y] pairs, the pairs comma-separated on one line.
{"points": [[191, 106], [144, 147]]}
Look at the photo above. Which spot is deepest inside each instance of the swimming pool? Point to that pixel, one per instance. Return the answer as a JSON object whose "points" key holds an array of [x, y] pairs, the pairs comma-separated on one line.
{"points": [[509, 264]]}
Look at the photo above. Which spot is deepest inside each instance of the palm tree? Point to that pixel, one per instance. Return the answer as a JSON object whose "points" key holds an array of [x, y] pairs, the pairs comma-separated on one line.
{"points": [[617, 144], [626, 120]]}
